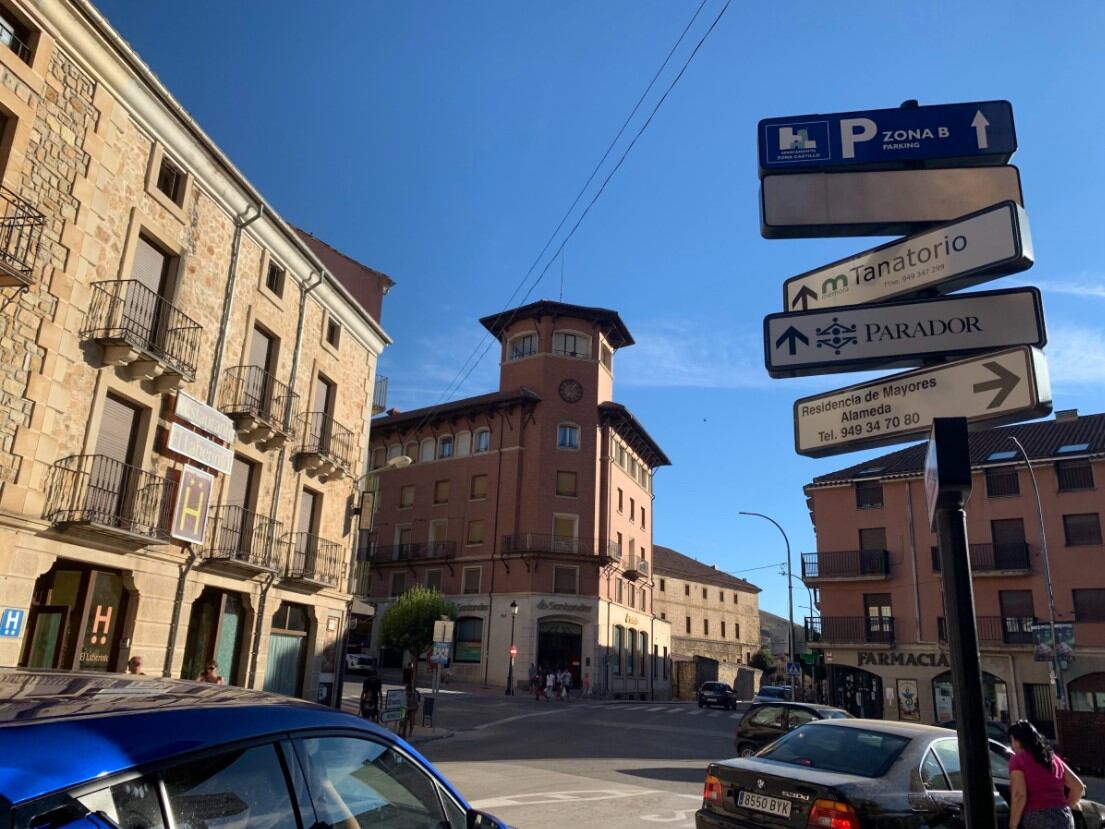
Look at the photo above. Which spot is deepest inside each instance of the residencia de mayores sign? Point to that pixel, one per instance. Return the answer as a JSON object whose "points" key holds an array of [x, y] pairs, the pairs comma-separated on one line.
{"points": [[925, 660]]}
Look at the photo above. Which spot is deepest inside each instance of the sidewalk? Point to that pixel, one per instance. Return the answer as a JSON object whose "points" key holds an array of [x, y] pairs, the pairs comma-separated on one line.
{"points": [[421, 734]]}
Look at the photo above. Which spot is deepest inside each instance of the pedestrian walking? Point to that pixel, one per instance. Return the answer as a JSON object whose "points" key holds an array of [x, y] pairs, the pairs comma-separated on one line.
{"points": [[550, 683], [371, 690], [536, 684], [586, 686], [406, 725], [1043, 788], [566, 682]]}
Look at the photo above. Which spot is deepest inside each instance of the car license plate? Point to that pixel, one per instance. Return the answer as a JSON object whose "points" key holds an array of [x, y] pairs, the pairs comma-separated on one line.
{"points": [[763, 803]]}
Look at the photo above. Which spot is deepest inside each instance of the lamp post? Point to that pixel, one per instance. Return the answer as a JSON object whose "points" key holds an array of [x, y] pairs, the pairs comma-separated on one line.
{"points": [[1056, 663], [513, 650], [790, 587]]}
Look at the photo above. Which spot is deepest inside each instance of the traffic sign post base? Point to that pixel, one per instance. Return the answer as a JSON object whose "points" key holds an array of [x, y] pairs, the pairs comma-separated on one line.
{"points": [[947, 484]]}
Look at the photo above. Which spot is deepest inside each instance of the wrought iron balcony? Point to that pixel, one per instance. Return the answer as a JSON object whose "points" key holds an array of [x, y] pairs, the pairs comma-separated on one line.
{"points": [[560, 544], [107, 497], [1013, 557], [243, 540], [850, 629], [314, 562], [845, 564], [422, 551], [325, 450], [261, 407], [141, 330], [996, 630], [380, 394], [634, 567], [20, 235]]}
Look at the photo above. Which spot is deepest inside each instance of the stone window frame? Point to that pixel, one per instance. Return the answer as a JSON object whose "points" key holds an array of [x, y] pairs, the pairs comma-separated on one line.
{"points": [[324, 340], [142, 224], [150, 405], [178, 211], [17, 137], [41, 45], [262, 279]]}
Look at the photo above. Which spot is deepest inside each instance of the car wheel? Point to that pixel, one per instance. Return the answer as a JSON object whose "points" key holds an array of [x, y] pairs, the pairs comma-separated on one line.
{"points": [[746, 750]]}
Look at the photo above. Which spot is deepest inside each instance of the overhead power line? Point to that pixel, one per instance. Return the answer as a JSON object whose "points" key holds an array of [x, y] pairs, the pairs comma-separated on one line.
{"points": [[476, 356]]}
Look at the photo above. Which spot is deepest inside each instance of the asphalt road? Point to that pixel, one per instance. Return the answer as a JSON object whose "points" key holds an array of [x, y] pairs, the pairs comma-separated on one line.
{"points": [[548, 764]]}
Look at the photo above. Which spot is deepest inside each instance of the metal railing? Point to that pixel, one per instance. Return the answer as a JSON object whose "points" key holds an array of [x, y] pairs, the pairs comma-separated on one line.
{"points": [[549, 543], [10, 39], [380, 394], [126, 311], [98, 490], [238, 534], [314, 559], [850, 629], [250, 391], [1074, 475], [20, 234], [635, 564], [990, 558], [1002, 482], [322, 435], [415, 550], [845, 564], [1008, 630]]}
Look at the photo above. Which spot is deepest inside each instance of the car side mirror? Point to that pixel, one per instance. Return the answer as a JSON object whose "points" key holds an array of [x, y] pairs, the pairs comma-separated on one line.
{"points": [[482, 820]]}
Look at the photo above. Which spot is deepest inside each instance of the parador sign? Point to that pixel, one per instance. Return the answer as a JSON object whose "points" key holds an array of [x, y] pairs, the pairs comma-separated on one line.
{"points": [[921, 660]]}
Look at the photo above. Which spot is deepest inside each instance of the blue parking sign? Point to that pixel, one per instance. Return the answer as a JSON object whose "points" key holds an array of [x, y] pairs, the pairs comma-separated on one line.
{"points": [[11, 622]]}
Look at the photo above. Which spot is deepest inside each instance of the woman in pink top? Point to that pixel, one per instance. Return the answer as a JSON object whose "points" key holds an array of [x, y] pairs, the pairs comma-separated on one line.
{"points": [[1043, 788]]}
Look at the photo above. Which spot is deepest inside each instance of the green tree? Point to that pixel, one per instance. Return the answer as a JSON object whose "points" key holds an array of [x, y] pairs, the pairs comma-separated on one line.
{"points": [[763, 660], [408, 625]]}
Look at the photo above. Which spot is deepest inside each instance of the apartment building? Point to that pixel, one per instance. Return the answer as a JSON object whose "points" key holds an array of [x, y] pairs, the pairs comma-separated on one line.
{"points": [[712, 614], [531, 508], [877, 569], [186, 382]]}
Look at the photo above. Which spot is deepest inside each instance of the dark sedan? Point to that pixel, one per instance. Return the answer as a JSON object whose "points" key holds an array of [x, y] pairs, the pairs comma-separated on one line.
{"points": [[716, 693], [767, 722], [850, 773]]}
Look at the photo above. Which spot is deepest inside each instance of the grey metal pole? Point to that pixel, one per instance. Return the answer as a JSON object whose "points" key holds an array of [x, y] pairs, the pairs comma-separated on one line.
{"points": [[1060, 687], [790, 586]]}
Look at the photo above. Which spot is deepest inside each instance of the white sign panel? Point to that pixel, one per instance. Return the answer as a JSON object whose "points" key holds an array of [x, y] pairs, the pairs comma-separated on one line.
{"points": [[883, 203], [900, 334], [443, 630], [976, 248], [1001, 387], [200, 449], [205, 417]]}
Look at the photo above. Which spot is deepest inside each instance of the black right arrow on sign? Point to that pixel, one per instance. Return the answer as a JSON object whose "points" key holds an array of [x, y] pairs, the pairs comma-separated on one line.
{"points": [[1004, 384]]}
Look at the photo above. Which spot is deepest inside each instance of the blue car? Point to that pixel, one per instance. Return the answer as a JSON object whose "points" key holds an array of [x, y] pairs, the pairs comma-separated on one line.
{"points": [[88, 751]]}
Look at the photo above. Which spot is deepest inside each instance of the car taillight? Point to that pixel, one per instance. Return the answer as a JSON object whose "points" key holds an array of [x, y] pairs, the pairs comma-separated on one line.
{"points": [[829, 814], [711, 792]]}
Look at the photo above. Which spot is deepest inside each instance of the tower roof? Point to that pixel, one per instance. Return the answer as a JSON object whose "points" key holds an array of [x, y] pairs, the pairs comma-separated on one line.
{"points": [[616, 333]]}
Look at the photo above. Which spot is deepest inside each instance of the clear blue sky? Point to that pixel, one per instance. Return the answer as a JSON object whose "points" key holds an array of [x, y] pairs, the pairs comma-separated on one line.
{"points": [[442, 142]]}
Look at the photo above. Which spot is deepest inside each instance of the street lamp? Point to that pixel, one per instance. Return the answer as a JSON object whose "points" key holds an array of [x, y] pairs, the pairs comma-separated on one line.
{"points": [[1056, 663], [790, 587], [513, 650]]}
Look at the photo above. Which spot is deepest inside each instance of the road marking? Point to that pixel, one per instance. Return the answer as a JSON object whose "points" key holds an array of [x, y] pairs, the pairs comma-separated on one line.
{"points": [[715, 713], [576, 796], [676, 816], [694, 713], [735, 716], [517, 717], [657, 708]]}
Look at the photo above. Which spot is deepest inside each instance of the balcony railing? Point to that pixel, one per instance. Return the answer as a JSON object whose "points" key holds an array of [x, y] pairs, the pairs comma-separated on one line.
{"points": [[20, 235], [17, 44], [1074, 475], [994, 558], [992, 630], [548, 543], [635, 567], [241, 537], [380, 394], [850, 629], [846, 564], [261, 406], [117, 498], [314, 560], [140, 329], [421, 550], [326, 447]]}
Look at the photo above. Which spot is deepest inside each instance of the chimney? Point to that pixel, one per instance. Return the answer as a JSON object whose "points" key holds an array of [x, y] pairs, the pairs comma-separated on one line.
{"points": [[392, 412], [1066, 415]]}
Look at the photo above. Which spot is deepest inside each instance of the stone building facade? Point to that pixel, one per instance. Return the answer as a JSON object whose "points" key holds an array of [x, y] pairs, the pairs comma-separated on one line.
{"points": [[156, 314], [712, 614], [531, 508]]}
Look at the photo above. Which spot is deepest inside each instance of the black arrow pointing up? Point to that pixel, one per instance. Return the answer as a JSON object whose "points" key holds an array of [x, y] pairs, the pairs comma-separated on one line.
{"points": [[792, 335], [804, 295], [1005, 383]]}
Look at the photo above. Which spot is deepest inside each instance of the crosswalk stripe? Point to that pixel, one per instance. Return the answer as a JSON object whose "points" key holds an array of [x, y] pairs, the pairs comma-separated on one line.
{"points": [[694, 712], [715, 713], [657, 708], [735, 716]]}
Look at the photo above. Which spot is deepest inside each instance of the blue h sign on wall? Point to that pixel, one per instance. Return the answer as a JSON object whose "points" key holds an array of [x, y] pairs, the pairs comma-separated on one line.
{"points": [[11, 622]]}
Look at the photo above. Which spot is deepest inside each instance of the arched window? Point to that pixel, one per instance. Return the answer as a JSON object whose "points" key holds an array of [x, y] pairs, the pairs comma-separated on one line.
{"points": [[394, 451], [630, 651], [618, 648], [524, 345], [412, 451], [378, 457], [468, 639], [445, 447], [463, 443], [429, 445], [567, 436], [572, 344], [482, 441], [644, 654]]}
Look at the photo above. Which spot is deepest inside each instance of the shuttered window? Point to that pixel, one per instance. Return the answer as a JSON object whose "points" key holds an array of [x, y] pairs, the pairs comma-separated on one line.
{"points": [[308, 512], [262, 350], [324, 395], [118, 430], [242, 478], [471, 580], [479, 487], [151, 266]]}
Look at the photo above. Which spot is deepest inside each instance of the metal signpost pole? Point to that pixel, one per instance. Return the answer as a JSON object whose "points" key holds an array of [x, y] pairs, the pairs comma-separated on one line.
{"points": [[948, 483]]}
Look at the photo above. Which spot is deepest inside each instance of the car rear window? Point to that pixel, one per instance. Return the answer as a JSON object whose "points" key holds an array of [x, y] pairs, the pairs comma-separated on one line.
{"points": [[846, 750]]}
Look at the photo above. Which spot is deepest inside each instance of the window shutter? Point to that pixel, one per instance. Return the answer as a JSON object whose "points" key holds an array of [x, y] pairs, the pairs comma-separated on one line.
{"points": [[307, 512], [118, 424], [261, 350], [150, 266], [241, 482]]}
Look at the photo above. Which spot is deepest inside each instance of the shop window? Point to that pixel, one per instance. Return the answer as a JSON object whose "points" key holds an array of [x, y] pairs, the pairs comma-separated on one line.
{"points": [[216, 627], [287, 650], [478, 488], [468, 639], [618, 646], [1083, 529], [471, 580]]}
